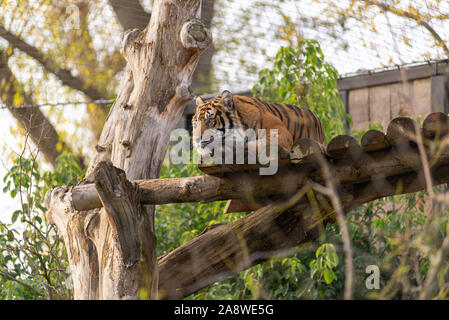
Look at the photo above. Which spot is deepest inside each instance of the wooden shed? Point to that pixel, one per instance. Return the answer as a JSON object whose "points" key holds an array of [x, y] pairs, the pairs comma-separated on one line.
{"points": [[409, 90], [378, 96]]}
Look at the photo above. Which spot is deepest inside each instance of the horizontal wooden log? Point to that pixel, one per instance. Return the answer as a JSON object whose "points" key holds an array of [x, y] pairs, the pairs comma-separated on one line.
{"points": [[374, 140], [215, 169], [344, 146], [305, 150], [207, 188], [249, 184], [436, 125], [401, 130], [85, 197]]}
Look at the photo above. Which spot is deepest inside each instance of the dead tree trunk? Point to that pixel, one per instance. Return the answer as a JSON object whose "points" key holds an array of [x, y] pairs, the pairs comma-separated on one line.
{"points": [[112, 251]]}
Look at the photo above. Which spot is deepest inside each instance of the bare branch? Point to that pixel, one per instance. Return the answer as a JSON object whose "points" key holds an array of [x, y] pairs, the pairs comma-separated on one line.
{"points": [[331, 190], [130, 14], [418, 19]]}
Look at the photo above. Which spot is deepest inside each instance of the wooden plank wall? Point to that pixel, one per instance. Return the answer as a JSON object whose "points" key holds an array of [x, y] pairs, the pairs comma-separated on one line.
{"points": [[380, 104]]}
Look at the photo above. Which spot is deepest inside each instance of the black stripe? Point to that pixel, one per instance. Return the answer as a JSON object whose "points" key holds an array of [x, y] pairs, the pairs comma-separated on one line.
{"points": [[228, 116], [219, 116], [260, 107], [263, 104], [245, 125], [274, 110], [301, 117], [296, 109], [311, 121], [319, 127], [282, 109]]}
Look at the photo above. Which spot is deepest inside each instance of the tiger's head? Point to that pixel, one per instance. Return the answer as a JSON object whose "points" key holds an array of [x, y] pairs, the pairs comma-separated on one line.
{"points": [[214, 116]]}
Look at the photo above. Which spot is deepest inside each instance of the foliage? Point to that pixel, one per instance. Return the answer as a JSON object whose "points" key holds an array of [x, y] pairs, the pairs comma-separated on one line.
{"points": [[326, 260], [33, 261]]}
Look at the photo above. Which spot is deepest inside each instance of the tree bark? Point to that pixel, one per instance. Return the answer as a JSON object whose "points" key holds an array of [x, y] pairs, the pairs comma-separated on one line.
{"points": [[161, 60], [131, 15]]}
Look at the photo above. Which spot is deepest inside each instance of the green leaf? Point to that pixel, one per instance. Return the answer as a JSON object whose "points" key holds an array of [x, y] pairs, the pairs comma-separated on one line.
{"points": [[329, 276], [332, 255], [15, 215]]}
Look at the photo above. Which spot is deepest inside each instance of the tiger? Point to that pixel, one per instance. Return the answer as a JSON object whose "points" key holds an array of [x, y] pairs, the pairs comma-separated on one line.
{"points": [[227, 111]]}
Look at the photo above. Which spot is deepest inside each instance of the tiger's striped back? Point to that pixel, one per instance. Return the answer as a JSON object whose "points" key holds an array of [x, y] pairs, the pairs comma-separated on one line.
{"points": [[299, 121]]}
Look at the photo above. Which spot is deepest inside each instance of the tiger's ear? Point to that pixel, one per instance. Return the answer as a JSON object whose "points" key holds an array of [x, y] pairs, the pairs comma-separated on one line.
{"points": [[199, 101], [227, 99]]}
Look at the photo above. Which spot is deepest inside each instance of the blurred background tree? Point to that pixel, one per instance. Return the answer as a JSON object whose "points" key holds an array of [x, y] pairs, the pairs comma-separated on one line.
{"points": [[71, 57]]}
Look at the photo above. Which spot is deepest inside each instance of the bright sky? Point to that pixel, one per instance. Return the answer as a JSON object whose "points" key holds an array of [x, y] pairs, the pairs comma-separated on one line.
{"points": [[366, 50]]}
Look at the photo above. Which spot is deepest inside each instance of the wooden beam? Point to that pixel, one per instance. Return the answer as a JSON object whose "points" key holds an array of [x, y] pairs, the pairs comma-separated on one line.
{"points": [[249, 184], [305, 150], [401, 130], [387, 77], [436, 126], [344, 146]]}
